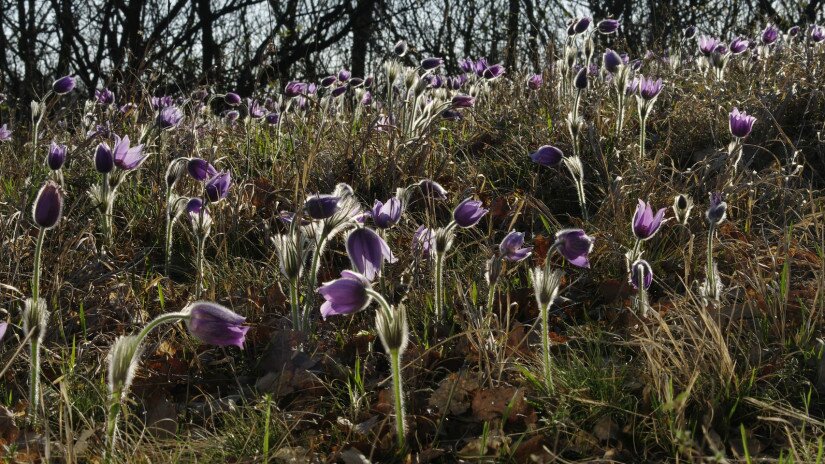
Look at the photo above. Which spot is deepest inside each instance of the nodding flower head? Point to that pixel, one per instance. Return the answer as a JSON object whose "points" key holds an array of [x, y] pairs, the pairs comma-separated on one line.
{"points": [[200, 169], [214, 324], [232, 99], [64, 85], [608, 26], [344, 75], [582, 24], [432, 189], [580, 82], [367, 252], [641, 271], [717, 212], [689, 32], [512, 247], [575, 245], [48, 206], [56, 156], [321, 206], [400, 48], [345, 295], [463, 101], [547, 155], [645, 223], [612, 61], [741, 124], [770, 35], [682, 204], [428, 64], [217, 188], [469, 212]]}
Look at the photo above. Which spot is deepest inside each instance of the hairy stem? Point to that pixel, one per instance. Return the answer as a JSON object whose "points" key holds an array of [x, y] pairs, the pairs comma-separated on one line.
{"points": [[400, 426]]}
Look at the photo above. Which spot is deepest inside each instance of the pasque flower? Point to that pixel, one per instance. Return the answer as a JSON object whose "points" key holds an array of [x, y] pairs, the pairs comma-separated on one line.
{"points": [[582, 24], [741, 124], [717, 212], [345, 295], [818, 34], [707, 45], [122, 155], [682, 205], [432, 189], [423, 241], [468, 213], [48, 206], [739, 45], [104, 162], [232, 99], [5, 133], [386, 215], [512, 247], [463, 101], [547, 155], [367, 252], [431, 63], [575, 245], [647, 274], [104, 97], [645, 223], [215, 324], [608, 26], [649, 89], [64, 85], [200, 169], [400, 48], [770, 35], [217, 188], [169, 117], [321, 206], [56, 156], [612, 61], [535, 81]]}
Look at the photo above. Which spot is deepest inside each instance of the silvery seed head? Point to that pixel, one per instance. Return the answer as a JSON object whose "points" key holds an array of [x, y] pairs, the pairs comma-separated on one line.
{"points": [[123, 359], [392, 329], [35, 318], [545, 285]]}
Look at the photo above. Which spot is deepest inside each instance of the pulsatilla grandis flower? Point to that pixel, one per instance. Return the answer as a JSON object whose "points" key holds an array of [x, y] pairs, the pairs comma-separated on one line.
{"points": [[717, 212], [547, 155], [121, 155], [649, 88], [217, 188], [612, 61], [818, 34], [707, 45], [232, 99], [48, 206], [741, 124], [169, 117], [580, 82], [215, 324], [64, 85], [739, 45], [56, 156], [294, 89], [321, 206], [645, 223], [468, 213], [200, 169], [386, 215], [643, 267], [582, 24], [463, 101], [431, 63], [770, 35], [575, 245], [512, 247], [345, 295], [104, 97], [432, 189], [367, 252], [608, 26], [535, 81], [682, 204], [5, 133], [423, 241]]}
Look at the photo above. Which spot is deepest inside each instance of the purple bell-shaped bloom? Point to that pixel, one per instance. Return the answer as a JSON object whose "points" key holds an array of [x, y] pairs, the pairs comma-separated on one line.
{"points": [[56, 156], [386, 215], [126, 157], [328, 81], [649, 89], [739, 45], [741, 124], [428, 64], [608, 26], [432, 189], [64, 85], [104, 97], [5, 133], [818, 34], [48, 206], [232, 99], [493, 72], [647, 274], [217, 188], [547, 155], [512, 247], [770, 35], [463, 101], [423, 241], [612, 61], [200, 169], [273, 118], [169, 117], [214, 324], [367, 252], [344, 75], [338, 91], [717, 212], [400, 48], [707, 44], [161, 102], [689, 32], [346, 295], [468, 213], [793, 31], [535, 81], [294, 89], [255, 109], [231, 116], [582, 24], [575, 246], [104, 161], [645, 223], [321, 206]]}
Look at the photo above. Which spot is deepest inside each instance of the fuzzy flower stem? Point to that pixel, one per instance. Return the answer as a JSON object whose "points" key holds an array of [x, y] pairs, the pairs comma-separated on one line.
{"points": [[491, 295], [545, 346], [641, 300], [711, 275], [107, 210], [400, 430], [199, 266], [642, 132], [167, 250], [438, 301], [297, 321], [34, 341], [38, 249]]}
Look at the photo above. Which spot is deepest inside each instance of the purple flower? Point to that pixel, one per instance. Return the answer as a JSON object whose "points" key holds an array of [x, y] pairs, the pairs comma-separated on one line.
{"points": [[535, 81], [612, 61], [423, 241], [574, 245], [582, 24], [161, 102], [468, 213], [294, 89], [428, 64], [48, 206], [580, 82], [126, 157], [649, 89], [5, 133], [200, 169], [169, 117], [231, 116], [104, 161], [56, 156], [273, 118], [346, 295], [741, 124], [818, 34], [255, 109], [512, 249], [338, 91], [366, 100], [232, 99], [547, 155], [632, 87], [718, 209], [367, 252], [344, 75], [647, 274], [793, 31], [386, 215], [217, 188], [463, 101], [400, 48], [689, 32], [739, 45], [493, 71], [451, 115], [328, 81], [432, 189], [770, 35], [64, 85], [645, 223], [707, 44], [321, 206], [3, 327], [104, 97], [608, 26], [215, 324], [467, 65], [194, 207]]}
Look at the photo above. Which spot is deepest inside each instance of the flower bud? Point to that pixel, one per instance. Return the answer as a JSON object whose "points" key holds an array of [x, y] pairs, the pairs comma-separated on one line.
{"points": [[35, 318], [48, 207], [123, 359], [392, 328], [682, 204]]}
